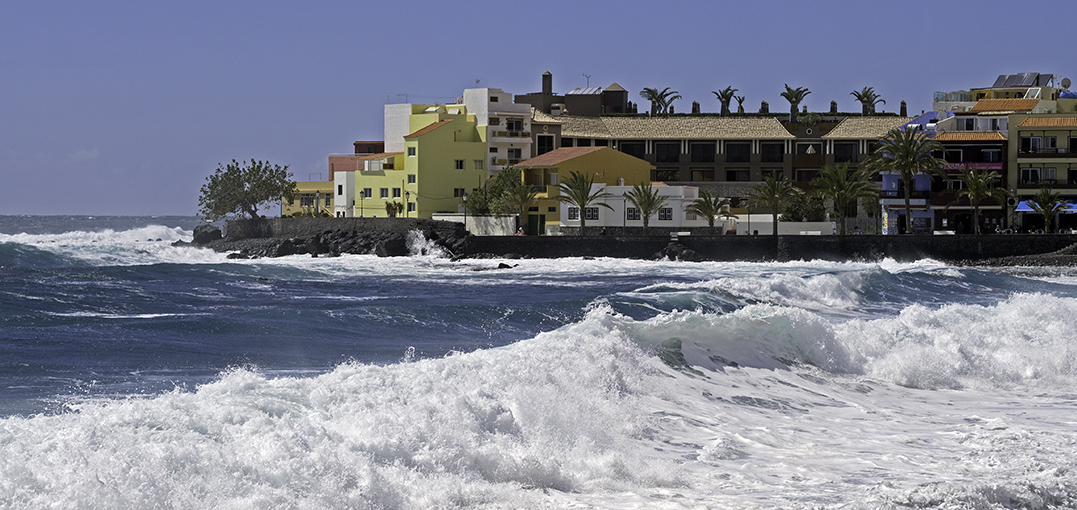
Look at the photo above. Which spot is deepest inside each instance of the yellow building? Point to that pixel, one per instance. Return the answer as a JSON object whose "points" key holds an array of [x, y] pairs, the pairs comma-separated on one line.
{"points": [[315, 199], [607, 166]]}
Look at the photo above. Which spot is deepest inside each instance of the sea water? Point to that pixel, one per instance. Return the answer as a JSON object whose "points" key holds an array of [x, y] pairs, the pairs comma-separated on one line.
{"points": [[137, 374]]}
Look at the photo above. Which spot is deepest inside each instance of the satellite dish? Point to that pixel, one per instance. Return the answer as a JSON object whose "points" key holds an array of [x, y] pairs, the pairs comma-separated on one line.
{"points": [[1065, 83]]}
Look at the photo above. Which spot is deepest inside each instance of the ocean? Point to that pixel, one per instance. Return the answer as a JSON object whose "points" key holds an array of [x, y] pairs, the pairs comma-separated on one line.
{"points": [[136, 374]]}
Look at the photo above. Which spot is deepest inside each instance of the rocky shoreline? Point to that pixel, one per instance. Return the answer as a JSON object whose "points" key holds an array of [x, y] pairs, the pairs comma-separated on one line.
{"points": [[330, 242]]}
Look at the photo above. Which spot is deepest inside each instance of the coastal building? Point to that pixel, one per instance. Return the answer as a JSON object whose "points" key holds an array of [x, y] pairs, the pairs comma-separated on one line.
{"points": [[606, 166], [1043, 151], [619, 212], [315, 199]]}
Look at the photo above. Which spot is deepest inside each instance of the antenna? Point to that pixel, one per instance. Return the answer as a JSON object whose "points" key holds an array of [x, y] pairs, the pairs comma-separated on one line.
{"points": [[477, 80], [588, 79]]}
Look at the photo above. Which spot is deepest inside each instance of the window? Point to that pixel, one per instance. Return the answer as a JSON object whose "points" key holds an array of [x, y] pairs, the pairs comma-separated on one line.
{"points": [[1073, 144], [1050, 143], [396, 192], [667, 152], [591, 214], [566, 142], [514, 155], [637, 149], [844, 152], [1030, 144], [411, 206], [952, 155], [968, 125], [515, 124], [329, 199], [459, 164], [478, 164], [583, 142], [551, 209], [602, 143], [385, 193], [545, 144], [1030, 176], [703, 152], [493, 99], [690, 216], [306, 200], [458, 192], [367, 193], [665, 214], [633, 214], [411, 151], [533, 209], [1049, 175], [738, 152], [493, 150], [411, 178], [775, 173], [573, 213], [665, 174], [737, 175], [702, 174], [340, 189], [772, 152], [991, 155], [495, 121], [995, 126]]}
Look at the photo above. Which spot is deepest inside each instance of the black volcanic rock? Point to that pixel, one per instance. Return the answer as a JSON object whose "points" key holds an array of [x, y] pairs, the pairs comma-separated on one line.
{"points": [[204, 234]]}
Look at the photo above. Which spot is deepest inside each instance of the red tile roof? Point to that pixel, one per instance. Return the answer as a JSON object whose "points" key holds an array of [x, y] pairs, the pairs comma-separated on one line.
{"points": [[559, 156], [428, 129]]}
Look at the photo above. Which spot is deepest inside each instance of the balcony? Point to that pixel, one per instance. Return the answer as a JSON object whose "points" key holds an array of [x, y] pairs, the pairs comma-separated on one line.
{"points": [[900, 194], [972, 165], [808, 160], [1061, 152], [738, 158], [510, 136]]}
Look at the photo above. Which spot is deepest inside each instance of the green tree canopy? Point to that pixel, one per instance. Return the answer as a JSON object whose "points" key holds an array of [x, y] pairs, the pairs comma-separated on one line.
{"points": [[773, 192], [841, 186], [576, 191], [868, 99], [661, 100], [1047, 203], [647, 200], [795, 97], [726, 96], [979, 186], [709, 206], [239, 189], [907, 153]]}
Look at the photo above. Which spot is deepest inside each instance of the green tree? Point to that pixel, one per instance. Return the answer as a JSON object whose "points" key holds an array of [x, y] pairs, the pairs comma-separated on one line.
{"points": [[868, 99], [1047, 203], [518, 198], [979, 186], [906, 153], [393, 209], [772, 193], [709, 206], [647, 200], [488, 199], [795, 97], [576, 191], [740, 103], [725, 96], [239, 189], [841, 186], [660, 100]]}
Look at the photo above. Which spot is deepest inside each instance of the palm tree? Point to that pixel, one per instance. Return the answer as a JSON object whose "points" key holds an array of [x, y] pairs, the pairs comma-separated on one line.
{"points": [[795, 97], [868, 99], [518, 197], [740, 103], [660, 99], [576, 191], [710, 207], [979, 186], [772, 193], [725, 96], [1047, 203], [647, 200], [839, 185], [906, 153]]}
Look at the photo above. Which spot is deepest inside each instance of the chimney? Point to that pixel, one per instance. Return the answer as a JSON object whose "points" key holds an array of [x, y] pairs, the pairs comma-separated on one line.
{"points": [[695, 106], [904, 109], [764, 107], [547, 83], [833, 107]]}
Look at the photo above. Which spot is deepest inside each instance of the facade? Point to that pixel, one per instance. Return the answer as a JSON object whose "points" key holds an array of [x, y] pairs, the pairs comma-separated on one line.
{"points": [[315, 199], [605, 165], [621, 213], [1043, 153]]}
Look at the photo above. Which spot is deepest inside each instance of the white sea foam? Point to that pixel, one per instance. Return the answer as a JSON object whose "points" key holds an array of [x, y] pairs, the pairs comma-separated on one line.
{"points": [[606, 412]]}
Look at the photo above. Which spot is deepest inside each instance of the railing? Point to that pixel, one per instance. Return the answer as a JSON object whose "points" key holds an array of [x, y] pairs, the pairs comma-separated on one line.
{"points": [[513, 134], [1060, 152], [702, 158], [901, 194], [738, 158], [772, 158], [845, 158]]}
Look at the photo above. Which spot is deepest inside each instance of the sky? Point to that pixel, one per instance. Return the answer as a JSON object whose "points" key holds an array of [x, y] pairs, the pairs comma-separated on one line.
{"points": [[125, 107]]}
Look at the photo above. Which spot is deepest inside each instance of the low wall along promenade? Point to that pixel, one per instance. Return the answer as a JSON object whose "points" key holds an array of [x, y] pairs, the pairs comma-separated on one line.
{"points": [[951, 248]]}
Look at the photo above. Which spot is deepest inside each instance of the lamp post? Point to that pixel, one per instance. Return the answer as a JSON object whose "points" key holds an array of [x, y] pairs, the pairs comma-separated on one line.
{"points": [[624, 214], [362, 195], [407, 203], [464, 198]]}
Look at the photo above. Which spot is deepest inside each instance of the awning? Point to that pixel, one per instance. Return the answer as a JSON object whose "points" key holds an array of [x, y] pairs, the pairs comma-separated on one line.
{"points": [[1023, 207]]}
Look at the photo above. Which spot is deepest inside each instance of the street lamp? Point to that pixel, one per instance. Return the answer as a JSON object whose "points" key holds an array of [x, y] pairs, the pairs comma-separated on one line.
{"points": [[362, 195], [624, 213], [464, 198], [407, 203]]}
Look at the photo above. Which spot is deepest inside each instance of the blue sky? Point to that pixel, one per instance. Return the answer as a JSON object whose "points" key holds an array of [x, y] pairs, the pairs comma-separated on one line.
{"points": [[111, 107]]}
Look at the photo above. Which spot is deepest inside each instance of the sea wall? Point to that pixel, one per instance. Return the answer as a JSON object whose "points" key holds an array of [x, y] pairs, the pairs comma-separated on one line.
{"points": [[956, 248]]}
